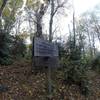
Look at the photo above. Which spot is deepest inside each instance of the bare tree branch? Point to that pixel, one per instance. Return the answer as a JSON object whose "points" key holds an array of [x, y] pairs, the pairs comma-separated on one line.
{"points": [[55, 6]]}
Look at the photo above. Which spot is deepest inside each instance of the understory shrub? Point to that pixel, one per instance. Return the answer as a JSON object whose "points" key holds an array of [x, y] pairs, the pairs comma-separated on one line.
{"points": [[5, 43], [75, 66], [75, 72], [19, 48], [95, 63]]}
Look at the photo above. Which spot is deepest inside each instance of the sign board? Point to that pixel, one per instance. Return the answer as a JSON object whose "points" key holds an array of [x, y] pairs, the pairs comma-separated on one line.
{"points": [[44, 48], [45, 53]]}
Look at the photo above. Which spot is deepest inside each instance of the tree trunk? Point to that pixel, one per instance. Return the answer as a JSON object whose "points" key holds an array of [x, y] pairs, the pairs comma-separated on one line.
{"points": [[51, 20], [74, 32], [90, 46], [39, 27], [39, 16], [50, 29], [93, 44]]}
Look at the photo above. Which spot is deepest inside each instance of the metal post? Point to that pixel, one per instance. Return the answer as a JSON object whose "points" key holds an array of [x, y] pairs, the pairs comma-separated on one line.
{"points": [[49, 82]]}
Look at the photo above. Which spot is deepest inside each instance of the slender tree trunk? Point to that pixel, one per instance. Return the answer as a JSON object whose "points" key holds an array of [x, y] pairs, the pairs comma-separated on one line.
{"points": [[82, 44], [90, 46], [74, 28], [39, 26], [50, 29], [97, 31], [51, 20], [93, 44]]}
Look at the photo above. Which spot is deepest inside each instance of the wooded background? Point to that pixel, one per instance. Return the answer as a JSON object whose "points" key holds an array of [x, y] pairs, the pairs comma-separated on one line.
{"points": [[21, 21]]}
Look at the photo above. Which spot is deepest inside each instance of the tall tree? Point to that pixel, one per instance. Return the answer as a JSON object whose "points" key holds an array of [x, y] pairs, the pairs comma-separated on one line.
{"points": [[56, 5], [6, 24], [88, 25], [39, 13], [39, 9]]}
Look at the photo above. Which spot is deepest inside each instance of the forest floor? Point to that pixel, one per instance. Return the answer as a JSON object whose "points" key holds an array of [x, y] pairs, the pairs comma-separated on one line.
{"points": [[26, 86]]}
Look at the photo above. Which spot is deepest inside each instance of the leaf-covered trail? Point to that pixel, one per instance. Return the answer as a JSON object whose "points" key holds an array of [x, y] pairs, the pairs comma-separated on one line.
{"points": [[95, 85], [26, 86]]}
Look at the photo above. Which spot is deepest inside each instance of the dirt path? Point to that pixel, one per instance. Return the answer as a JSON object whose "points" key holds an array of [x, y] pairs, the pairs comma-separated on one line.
{"points": [[23, 86], [95, 86]]}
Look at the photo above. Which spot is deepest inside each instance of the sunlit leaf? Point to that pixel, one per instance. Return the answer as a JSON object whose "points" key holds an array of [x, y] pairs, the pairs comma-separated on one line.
{"points": [[6, 11], [15, 3], [1, 2], [34, 4]]}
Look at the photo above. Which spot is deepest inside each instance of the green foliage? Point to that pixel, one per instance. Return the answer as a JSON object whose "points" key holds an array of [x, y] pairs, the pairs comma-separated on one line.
{"points": [[61, 49], [18, 47], [95, 63], [6, 25], [5, 41], [29, 53], [1, 1], [34, 4], [15, 3], [74, 67]]}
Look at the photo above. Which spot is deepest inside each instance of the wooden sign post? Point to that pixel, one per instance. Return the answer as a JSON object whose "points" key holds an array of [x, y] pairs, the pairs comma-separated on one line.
{"points": [[45, 53]]}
